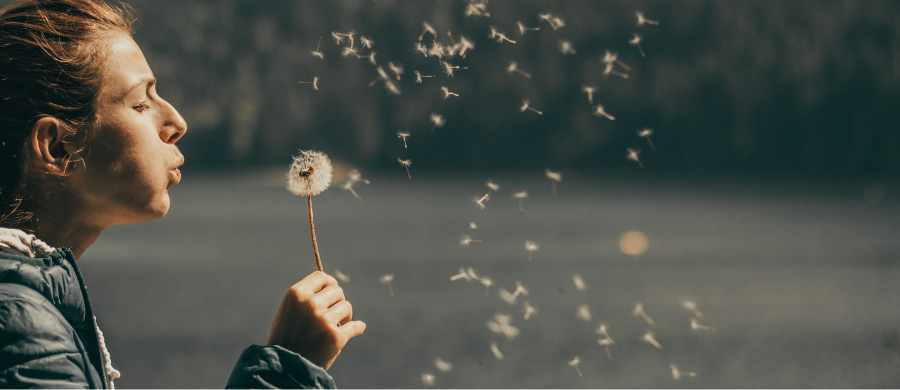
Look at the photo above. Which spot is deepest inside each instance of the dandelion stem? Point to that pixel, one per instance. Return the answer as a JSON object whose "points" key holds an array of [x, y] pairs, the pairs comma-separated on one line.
{"points": [[312, 233], [352, 191], [521, 207], [390, 289]]}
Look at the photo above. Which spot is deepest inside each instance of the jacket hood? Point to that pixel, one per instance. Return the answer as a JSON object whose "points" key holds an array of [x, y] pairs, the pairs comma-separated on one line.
{"points": [[52, 276]]}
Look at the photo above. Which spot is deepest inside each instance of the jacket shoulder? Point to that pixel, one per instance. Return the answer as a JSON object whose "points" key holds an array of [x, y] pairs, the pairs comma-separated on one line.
{"points": [[31, 327]]}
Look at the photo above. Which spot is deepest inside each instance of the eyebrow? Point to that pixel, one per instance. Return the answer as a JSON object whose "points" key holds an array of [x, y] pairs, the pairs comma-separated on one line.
{"points": [[148, 81]]}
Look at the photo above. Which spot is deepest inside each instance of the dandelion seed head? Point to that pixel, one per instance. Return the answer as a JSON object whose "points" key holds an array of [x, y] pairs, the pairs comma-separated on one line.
{"points": [[512, 67], [525, 104], [428, 28], [316, 83], [480, 201], [632, 154], [531, 246], [337, 37], [448, 68], [486, 281], [557, 22], [506, 296], [437, 49], [317, 54], [610, 57], [555, 176], [520, 195], [587, 89], [366, 42], [371, 57], [501, 324], [402, 135], [442, 365], [465, 44], [566, 47], [675, 373], [404, 163], [310, 173], [418, 76], [529, 310], [386, 278], [471, 272], [477, 9], [604, 341], [641, 20], [348, 52], [465, 240], [420, 48]]}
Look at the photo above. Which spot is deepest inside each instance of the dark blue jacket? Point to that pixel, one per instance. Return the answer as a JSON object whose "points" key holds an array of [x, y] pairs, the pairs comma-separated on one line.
{"points": [[48, 336]]}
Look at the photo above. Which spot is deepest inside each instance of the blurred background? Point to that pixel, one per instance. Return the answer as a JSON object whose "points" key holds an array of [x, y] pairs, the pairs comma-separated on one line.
{"points": [[770, 200]]}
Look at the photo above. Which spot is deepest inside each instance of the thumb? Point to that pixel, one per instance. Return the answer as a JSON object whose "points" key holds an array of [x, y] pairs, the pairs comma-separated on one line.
{"points": [[354, 328]]}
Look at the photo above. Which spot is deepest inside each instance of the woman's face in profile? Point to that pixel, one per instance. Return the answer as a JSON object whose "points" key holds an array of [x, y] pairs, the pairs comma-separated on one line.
{"points": [[132, 161]]}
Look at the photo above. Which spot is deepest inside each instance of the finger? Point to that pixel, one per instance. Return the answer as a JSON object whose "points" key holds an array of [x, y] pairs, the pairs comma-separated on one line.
{"points": [[315, 282], [340, 314], [353, 329], [329, 296]]}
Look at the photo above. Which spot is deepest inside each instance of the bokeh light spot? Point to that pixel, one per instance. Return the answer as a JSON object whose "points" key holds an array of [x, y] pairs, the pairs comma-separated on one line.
{"points": [[633, 243]]}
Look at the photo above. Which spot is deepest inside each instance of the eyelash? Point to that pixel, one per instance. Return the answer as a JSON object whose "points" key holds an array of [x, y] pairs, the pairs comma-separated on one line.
{"points": [[141, 107]]}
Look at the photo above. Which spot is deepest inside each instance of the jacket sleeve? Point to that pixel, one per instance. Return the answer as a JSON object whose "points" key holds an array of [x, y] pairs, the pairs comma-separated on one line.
{"points": [[274, 367]]}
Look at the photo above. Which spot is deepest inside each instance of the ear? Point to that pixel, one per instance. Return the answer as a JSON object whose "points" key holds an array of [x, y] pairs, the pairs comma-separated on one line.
{"points": [[47, 146]]}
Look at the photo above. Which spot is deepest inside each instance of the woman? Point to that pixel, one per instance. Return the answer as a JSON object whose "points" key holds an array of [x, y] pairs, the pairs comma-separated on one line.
{"points": [[88, 143]]}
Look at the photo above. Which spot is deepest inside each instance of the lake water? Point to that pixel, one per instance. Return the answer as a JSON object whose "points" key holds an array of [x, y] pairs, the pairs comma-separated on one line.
{"points": [[802, 283]]}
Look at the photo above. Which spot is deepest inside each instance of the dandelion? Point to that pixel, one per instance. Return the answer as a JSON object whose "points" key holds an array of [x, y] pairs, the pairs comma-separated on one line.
{"points": [[420, 48], [676, 374], [496, 351], [531, 247], [605, 343], [555, 177], [574, 363], [501, 324], [584, 313], [465, 240], [526, 105], [521, 195], [494, 187], [641, 20], [648, 337], [315, 82], [428, 29], [695, 325], [636, 41], [529, 310], [366, 42], [370, 57], [633, 155], [499, 36], [566, 47], [646, 133], [487, 282], [419, 76], [316, 53], [438, 121], [639, 311], [387, 279], [406, 164], [337, 37], [309, 175], [600, 111], [403, 135], [480, 201], [590, 92], [464, 45], [463, 274], [522, 28], [692, 307], [447, 93], [579, 282], [427, 379], [340, 276], [396, 69], [442, 365]]}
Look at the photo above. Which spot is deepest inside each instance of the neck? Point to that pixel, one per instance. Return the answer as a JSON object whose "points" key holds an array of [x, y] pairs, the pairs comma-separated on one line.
{"points": [[61, 223]]}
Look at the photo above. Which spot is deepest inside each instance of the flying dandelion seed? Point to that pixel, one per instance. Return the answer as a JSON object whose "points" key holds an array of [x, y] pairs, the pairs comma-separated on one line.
{"points": [[692, 307], [579, 283], [648, 337], [609, 70], [501, 324], [695, 325], [447, 93], [611, 59], [419, 76], [554, 22], [428, 379], [354, 177], [633, 243], [387, 279], [396, 69], [590, 92], [420, 48], [531, 247], [349, 51], [436, 50], [366, 42], [315, 83], [494, 187], [511, 298], [463, 274], [340, 276], [473, 226], [370, 57], [496, 351], [600, 111], [523, 29], [403, 135], [349, 36], [606, 343], [603, 332], [471, 273], [480, 201], [566, 47], [529, 310], [309, 175], [636, 41], [584, 313], [349, 187], [438, 121], [487, 282], [526, 105], [521, 195], [499, 36], [427, 29], [382, 76], [641, 20], [477, 9], [676, 374], [555, 177], [406, 164], [391, 87], [574, 363], [465, 45], [442, 365], [337, 37], [633, 156], [448, 68], [465, 240], [316, 53], [646, 133], [639, 311], [514, 67], [506, 296]]}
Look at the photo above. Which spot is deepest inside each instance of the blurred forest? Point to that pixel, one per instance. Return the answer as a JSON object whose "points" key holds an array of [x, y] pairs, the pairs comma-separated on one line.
{"points": [[803, 88]]}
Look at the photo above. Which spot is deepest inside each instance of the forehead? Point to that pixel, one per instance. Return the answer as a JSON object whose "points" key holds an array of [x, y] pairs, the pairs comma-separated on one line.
{"points": [[123, 68]]}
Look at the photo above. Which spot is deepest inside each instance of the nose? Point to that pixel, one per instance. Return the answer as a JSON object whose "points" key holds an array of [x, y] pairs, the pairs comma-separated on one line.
{"points": [[173, 126]]}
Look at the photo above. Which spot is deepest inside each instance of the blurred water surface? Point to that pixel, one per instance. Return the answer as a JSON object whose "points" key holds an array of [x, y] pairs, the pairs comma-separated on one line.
{"points": [[799, 281]]}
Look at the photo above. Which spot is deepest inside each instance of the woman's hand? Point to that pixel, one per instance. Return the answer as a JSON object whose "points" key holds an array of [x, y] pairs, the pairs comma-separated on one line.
{"points": [[314, 320]]}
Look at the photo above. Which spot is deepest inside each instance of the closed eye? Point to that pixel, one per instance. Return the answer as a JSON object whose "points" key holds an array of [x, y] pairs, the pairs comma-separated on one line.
{"points": [[141, 107]]}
